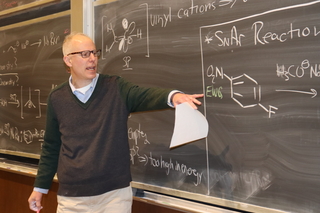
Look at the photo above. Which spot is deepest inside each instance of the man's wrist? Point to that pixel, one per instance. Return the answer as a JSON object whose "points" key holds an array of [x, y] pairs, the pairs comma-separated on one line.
{"points": [[43, 191], [170, 96]]}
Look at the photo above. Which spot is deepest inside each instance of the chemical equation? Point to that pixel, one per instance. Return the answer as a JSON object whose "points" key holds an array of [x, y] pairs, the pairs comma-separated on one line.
{"points": [[126, 38], [228, 37], [130, 33], [138, 137], [21, 136], [123, 41], [47, 40], [260, 36], [19, 101], [304, 69], [236, 85]]}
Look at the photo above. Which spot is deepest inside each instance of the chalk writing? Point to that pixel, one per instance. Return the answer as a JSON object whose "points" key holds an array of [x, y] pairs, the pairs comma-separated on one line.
{"points": [[47, 40], [8, 4], [21, 136], [31, 66], [9, 79], [204, 8], [126, 65], [258, 33], [10, 65], [137, 134], [228, 36], [155, 17], [214, 92], [51, 39], [259, 69], [170, 166], [298, 71], [137, 155], [161, 20], [30, 103], [263, 38], [312, 92], [234, 38], [126, 38], [238, 84], [253, 182]]}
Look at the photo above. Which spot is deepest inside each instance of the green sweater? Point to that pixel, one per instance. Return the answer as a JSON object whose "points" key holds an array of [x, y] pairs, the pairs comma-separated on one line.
{"points": [[86, 144]]}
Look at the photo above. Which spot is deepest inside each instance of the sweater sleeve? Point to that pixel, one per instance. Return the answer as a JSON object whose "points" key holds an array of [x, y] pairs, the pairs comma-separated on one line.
{"points": [[50, 151], [143, 98]]}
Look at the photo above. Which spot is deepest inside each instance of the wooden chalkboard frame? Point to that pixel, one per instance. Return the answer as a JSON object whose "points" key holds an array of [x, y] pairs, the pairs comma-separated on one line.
{"points": [[32, 21], [224, 203], [21, 154], [25, 6], [20, 24]]}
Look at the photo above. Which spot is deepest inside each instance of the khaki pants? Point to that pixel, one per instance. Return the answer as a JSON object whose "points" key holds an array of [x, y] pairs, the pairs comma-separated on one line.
{"points": [[116, 201]]}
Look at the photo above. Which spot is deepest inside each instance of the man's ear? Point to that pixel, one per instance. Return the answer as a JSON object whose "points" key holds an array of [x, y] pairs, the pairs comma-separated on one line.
{"points": [[67, 60]]}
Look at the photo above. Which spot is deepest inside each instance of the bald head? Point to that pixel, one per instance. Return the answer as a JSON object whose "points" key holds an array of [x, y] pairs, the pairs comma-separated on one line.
{"points": [[71, 39]]}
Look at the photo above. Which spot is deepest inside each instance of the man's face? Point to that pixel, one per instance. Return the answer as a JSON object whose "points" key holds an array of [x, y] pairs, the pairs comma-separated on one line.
{"points": [[83, 69]]}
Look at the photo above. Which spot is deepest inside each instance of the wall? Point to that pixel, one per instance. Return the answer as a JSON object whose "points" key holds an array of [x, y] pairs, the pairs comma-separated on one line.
{"points": [[16, 189]]}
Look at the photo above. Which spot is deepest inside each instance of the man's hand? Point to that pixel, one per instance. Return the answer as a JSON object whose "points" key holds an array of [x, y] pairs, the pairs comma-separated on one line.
{"points": [[35, 201], [179, 98]]}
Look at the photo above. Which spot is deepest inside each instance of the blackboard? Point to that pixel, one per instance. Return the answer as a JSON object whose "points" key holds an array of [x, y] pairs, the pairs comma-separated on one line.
{"points": [[5, 5], [8, 6], [32, 11], [257, 62], [30, 66]]}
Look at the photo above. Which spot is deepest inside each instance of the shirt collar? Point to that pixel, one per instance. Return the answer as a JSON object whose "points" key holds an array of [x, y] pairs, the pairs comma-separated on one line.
{"points": [[84, 89]]}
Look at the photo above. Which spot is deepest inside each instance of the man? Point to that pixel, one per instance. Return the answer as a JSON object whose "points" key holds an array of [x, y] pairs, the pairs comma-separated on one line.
{"points": [[86, 141]]}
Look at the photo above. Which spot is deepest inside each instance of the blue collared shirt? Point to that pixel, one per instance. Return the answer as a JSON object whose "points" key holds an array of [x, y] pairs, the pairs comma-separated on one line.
{"points": [[84, 93]]}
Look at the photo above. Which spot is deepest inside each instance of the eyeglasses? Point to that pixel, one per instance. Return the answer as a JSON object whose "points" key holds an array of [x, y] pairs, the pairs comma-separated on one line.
{"points": [[86, 53]]}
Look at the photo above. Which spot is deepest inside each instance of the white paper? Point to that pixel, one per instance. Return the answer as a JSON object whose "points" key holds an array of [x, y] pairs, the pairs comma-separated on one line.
{"points": [[190, 125]]}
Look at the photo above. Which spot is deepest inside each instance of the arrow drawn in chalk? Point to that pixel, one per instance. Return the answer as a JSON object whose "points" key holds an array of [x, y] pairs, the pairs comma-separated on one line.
{"points": [[223, 3], [313, 92], [143, 159]]}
